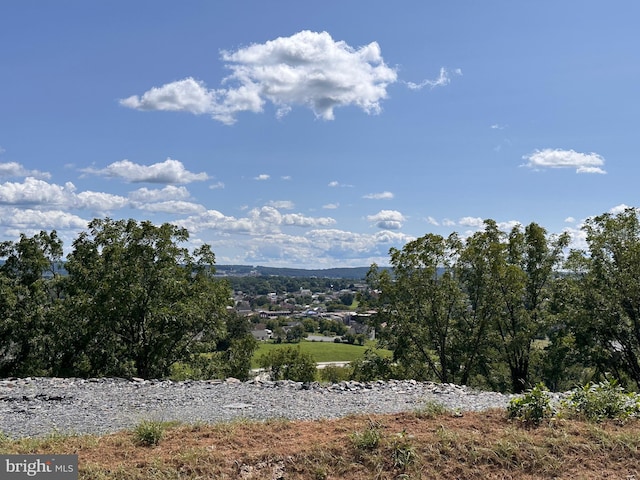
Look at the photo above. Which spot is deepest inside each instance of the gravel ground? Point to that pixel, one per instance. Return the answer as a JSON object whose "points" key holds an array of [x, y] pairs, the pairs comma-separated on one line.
{"points": [[31, 407]]}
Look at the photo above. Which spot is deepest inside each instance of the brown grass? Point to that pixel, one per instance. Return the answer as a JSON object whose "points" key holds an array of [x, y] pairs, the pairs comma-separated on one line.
{"points": [[411, 446]]}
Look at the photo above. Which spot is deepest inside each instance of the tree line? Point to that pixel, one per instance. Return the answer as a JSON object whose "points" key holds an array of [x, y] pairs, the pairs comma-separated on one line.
{"points": [[506, 310], [133, 302]]}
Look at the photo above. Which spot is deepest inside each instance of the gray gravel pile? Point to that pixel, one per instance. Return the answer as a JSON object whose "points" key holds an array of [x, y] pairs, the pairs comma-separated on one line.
{"points": [[41, 406]]}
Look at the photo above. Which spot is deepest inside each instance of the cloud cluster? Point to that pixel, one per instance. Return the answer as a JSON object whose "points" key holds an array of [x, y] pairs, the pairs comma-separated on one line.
{"points": [[310, 69], [168, 172], [258, 221], [387, 219], [582, 162]]}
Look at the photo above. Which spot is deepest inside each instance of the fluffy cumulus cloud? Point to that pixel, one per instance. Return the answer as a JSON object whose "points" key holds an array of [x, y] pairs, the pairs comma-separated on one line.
{"points": [[379, 196], [169, 172], [25, 219], [310, 69], [387, 219], [14, 169], [34, 191], [582, 162], [46, 196], [258, 221], [170, 192]]}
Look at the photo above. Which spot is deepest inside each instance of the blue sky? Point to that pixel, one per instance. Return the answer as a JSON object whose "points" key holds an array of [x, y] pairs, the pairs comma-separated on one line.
{"points": [[316, 134]]}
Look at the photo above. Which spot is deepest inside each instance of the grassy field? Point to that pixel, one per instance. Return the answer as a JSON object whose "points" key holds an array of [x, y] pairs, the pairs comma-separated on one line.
{"points": [[321, 351], [424, 444]]}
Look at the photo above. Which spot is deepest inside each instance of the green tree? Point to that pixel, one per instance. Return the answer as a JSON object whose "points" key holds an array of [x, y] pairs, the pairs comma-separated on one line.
{"points": [[235, 348], [137, 300], [607, 326], [424, 307], [512, 287], [29, 279]]}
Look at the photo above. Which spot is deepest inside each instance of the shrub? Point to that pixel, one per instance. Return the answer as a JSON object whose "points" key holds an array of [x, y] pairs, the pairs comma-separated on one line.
{"points": [[532, 407], [595, 402], [333, 374], [289, 363]]}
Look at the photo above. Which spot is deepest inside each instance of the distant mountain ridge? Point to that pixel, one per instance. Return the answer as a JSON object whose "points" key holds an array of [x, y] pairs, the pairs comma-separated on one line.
{"points": [[354, 273]]}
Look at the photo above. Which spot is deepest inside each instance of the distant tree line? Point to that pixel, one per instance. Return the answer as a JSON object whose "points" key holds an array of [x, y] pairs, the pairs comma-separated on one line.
{"points": [[133, 302], [506, 310]]}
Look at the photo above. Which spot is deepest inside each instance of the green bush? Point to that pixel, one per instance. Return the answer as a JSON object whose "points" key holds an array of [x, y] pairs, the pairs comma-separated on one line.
{"points": [[289, 363], [599, 401], [532, 407], [333, 374], [148, 433]]}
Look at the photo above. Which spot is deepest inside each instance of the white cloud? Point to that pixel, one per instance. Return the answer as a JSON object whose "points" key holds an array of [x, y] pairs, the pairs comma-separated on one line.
{"points": [[569, 220], [34, 191], [262, 177], [432, 221], [299, 220], [379, 196], [14, 169], [169, 192], [335, 183], [387, 219], [216, 186], [170, 172], [258, 221], [23, 219], [173, 206], [282, 204], [582, 162], [188, 95], [98, 201], [331, 206], [618, 209], [45, 195], [306, 69], [443, 79], [475, 222]]}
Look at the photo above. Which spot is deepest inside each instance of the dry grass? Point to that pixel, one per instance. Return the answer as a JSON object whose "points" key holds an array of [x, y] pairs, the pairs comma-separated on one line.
{"points": [[411, 446]]}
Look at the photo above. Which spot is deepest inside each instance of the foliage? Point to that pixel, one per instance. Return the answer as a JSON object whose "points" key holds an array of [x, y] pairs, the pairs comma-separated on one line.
{"points": [[134, 301], [149, 433], [289, 363], [333, 374], [26, 299], [367, 439], [373, 366], [606, 307], [599, 401], [533, 407]]}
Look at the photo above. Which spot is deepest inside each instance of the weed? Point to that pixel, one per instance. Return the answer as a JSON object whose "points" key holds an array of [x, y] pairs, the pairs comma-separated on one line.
{"points": [[430, 409], [149, 432], [368, 439], [403, 452], [533, 407]]}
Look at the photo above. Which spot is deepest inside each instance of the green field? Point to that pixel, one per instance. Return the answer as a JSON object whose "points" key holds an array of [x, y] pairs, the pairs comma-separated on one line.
{"points": [[321, 351]]}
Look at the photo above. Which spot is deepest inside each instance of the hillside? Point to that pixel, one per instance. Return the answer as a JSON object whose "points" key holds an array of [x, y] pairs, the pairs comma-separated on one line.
{"points": [[353, 273]]}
